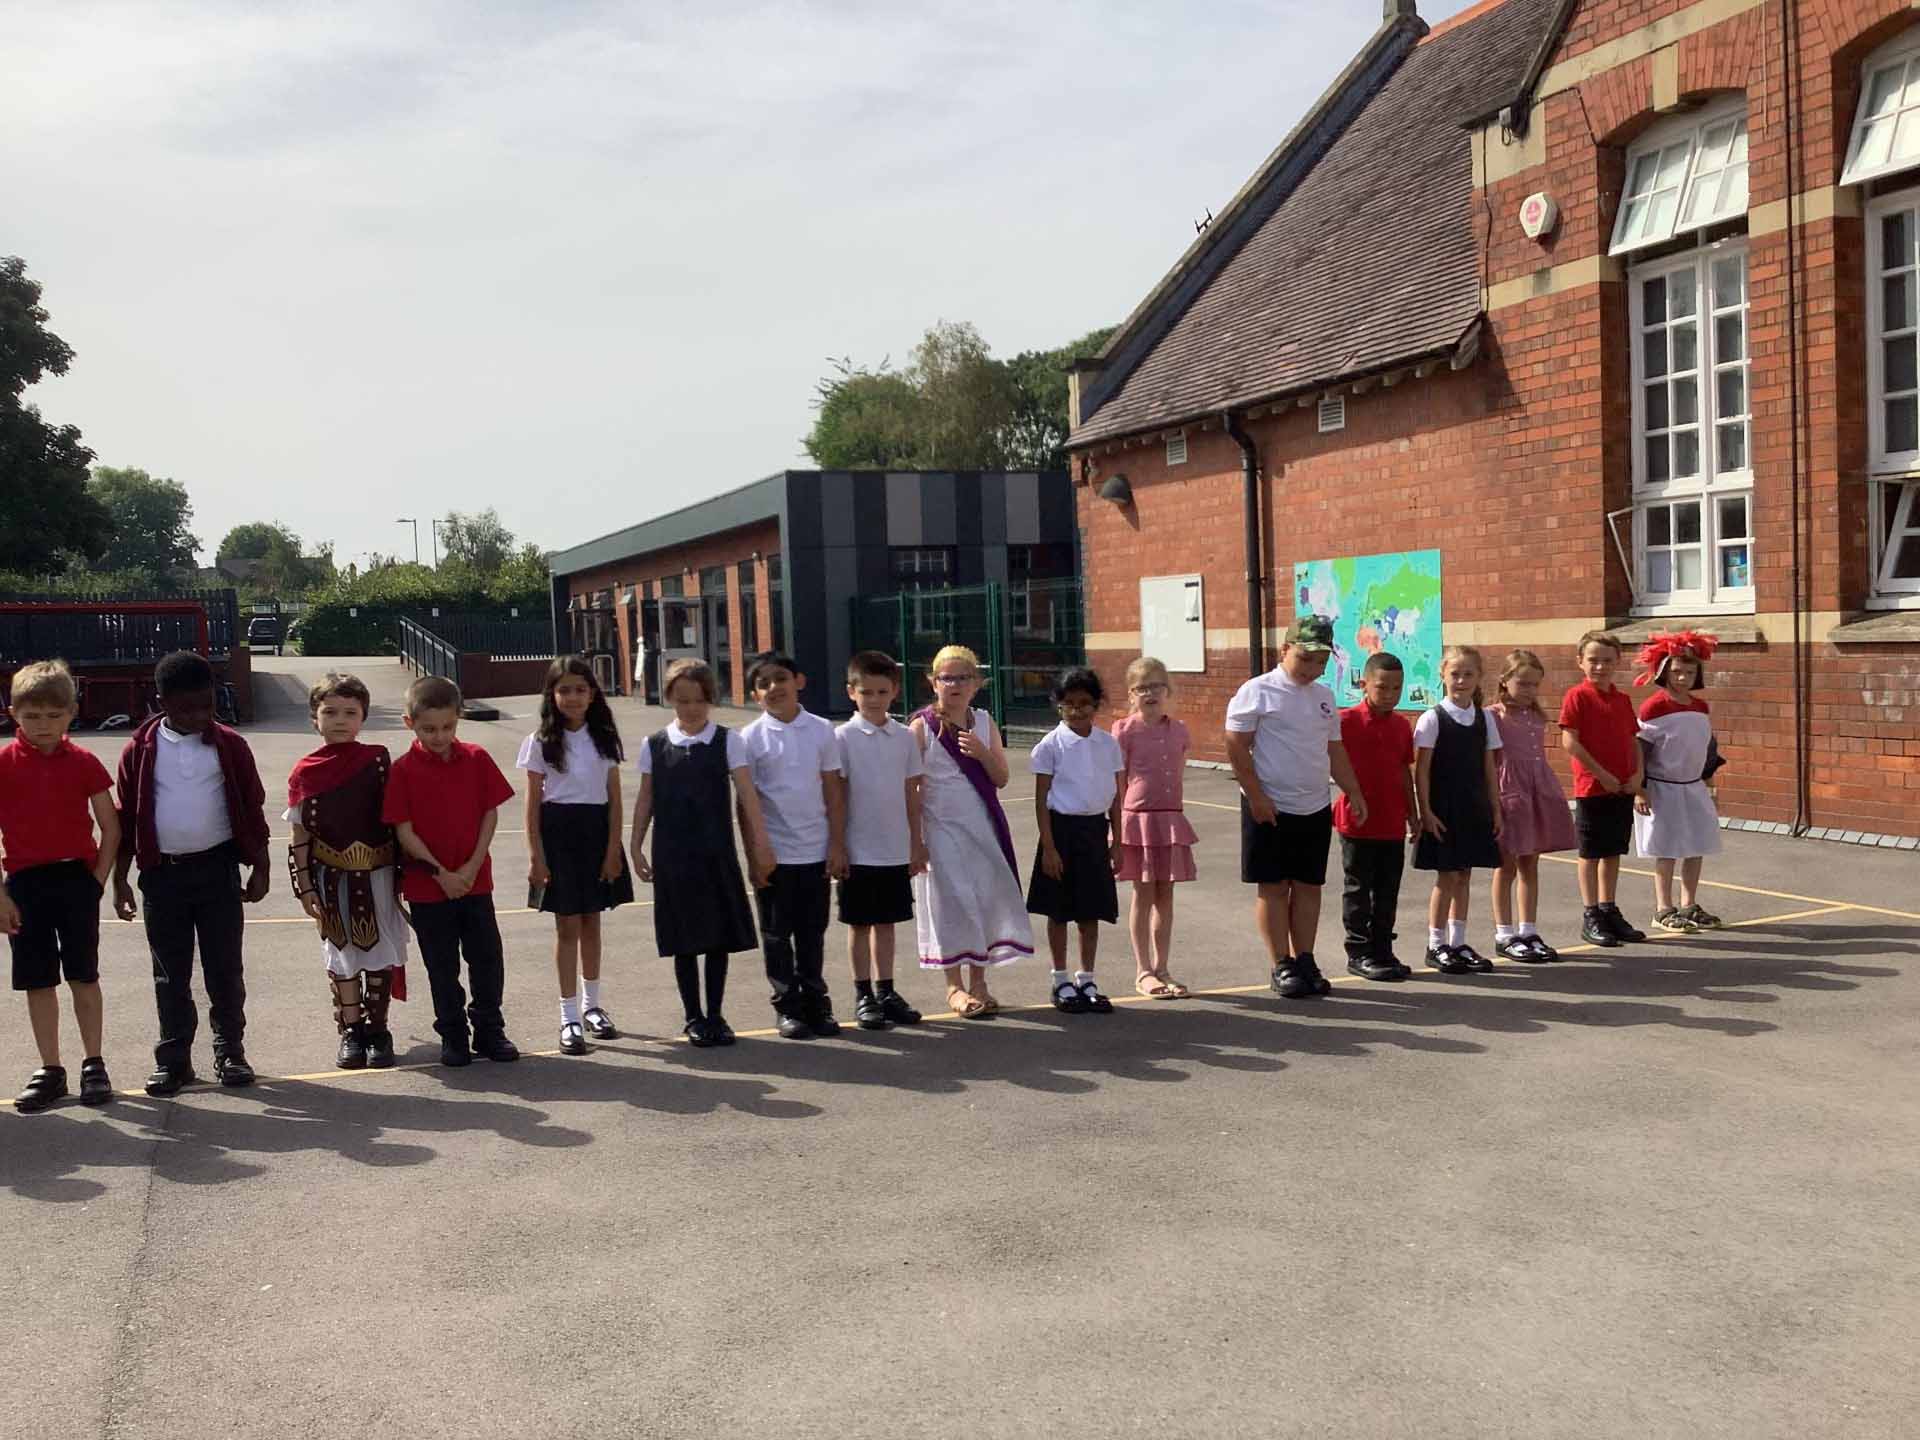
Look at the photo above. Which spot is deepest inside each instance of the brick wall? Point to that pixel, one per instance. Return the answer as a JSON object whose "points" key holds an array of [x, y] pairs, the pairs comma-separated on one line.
{"points": [[1510, 466]]}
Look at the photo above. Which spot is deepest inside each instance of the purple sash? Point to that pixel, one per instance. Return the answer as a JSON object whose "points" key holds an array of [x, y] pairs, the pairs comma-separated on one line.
{"points": [[977, 776]]}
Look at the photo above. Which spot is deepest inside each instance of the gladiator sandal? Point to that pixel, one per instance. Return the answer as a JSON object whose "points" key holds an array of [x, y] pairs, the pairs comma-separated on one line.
{"points": [[379, 985], [349, 1015]]}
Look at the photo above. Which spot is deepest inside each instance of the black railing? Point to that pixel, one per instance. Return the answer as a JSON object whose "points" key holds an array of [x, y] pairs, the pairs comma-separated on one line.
{"points": [[502, 637], [117, 634], [426, 653]]}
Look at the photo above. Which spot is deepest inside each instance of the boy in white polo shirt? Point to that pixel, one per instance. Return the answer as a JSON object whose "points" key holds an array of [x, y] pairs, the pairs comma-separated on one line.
{"points": [[795, 758], [883, 767], [1283, 738]]}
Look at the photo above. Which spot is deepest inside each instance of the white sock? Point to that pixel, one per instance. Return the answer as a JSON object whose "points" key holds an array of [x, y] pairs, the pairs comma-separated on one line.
{"points": [[1436, 937], [1503, 933], [569, 1009], [1456, 933], [1528, 929], [1060, 977], [590, 990], [1084, 977]]}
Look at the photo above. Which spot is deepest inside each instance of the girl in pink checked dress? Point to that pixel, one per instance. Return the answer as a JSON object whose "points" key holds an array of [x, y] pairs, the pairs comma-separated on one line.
{"points": [[1156, 839], [1533, 811]]}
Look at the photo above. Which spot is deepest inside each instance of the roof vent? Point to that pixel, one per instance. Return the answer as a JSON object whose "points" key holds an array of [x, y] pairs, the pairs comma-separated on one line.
{"points": [[1177, 449], [1333, 412]]}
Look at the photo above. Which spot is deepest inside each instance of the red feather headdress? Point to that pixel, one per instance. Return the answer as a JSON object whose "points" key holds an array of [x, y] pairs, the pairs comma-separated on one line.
{"points": [[1662, 648]]}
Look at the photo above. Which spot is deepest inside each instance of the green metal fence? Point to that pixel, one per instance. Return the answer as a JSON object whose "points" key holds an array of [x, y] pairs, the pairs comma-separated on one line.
{"points": [[1024, 634]]}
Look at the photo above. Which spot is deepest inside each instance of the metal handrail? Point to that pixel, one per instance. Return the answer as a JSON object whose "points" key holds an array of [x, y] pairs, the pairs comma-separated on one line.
{"points": [[424, 652]]}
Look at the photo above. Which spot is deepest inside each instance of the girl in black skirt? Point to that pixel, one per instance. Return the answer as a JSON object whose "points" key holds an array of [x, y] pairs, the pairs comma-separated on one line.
{"points": [[699, 899], [1459, 796], [1079, 778], [578, 867]]}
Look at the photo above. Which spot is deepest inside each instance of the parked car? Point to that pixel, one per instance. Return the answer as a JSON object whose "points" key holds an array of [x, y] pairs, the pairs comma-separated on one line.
{"points": [[264, 631]]}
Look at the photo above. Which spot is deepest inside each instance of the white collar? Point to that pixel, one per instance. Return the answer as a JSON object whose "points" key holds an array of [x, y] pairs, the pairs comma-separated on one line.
{"points": [[1067, 737], [867, 727], [167, 732], [800, 717], [677, 736]]}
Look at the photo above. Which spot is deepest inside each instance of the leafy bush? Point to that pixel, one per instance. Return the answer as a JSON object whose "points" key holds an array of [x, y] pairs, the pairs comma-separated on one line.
{"points": [[356, 614]]}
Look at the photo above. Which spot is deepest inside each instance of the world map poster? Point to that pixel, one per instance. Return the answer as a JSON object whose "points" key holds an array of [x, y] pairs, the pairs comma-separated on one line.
{"points": [[1377, 602]]}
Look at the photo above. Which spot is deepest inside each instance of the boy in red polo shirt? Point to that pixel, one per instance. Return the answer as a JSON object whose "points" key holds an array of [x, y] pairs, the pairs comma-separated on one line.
{"points": [[1373, 851], [441, 800], [1600, 731], [52, 796]]}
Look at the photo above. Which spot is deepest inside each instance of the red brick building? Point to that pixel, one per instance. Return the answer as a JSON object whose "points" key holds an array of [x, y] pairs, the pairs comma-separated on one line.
{"points": [[1692, 397]]}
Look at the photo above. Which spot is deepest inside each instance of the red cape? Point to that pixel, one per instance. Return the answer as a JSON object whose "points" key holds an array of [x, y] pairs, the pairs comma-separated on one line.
{"points": [[327, 768]]}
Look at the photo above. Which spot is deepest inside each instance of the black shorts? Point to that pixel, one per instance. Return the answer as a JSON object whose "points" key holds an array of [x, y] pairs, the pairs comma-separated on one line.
{"points": [[1604, 824], [1085, 891], [59, 935], [1293, 848], [876, 895]]}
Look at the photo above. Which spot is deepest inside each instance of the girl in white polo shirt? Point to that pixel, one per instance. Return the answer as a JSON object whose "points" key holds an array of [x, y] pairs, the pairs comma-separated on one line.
{"points": [[1078, 775]]}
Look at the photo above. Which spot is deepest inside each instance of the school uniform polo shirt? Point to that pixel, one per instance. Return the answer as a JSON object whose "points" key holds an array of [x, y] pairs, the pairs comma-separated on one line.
{"points": [[446, 799], [788, 758], [878, 760], [737, 758], [189, 793], [1291, 725], [1606, 727], [46, 803], [1084, 769], [1380, 745]]}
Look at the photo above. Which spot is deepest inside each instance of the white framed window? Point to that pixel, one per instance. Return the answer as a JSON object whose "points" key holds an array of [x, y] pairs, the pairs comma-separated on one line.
{"points": [[1886, 126], [1683, 175], [1893, 398], [1692, 433]]}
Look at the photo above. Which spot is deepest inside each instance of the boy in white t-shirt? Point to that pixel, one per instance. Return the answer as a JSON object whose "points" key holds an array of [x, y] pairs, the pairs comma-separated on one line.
{"points": [[795, 758], [883, 767], [1283, 739]]}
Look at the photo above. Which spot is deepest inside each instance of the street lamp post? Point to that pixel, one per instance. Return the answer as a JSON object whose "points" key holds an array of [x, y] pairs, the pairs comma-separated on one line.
{"points": [[434, 525], [409, 520]]}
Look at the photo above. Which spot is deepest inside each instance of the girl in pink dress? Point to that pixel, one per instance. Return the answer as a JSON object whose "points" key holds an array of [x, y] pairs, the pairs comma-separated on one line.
{"points": [[1533, 811], [1156, 839]]}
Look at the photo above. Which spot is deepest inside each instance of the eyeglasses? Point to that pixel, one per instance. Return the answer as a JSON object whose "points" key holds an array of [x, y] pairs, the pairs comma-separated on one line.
{"points": [[1151, 688], [953, 679]]}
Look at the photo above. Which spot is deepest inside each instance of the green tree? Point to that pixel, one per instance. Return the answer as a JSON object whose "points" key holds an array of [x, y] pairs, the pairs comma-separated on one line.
{"points": [[966, 398], [480, 543], [1036, 436], [150, 519], [47, 514], [869, 419], [282, 568]]}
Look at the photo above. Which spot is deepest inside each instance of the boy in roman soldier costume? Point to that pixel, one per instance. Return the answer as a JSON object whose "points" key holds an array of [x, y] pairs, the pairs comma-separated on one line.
{"points": [[345, 866]]}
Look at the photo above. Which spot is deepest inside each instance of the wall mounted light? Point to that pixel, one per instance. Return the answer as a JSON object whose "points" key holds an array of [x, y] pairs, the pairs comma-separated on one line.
{"points": [[1116, 489]]}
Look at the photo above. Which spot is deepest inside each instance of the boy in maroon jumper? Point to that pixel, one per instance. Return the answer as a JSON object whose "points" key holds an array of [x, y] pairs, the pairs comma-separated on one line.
{"points": [[1373, 851], [52, 794], [1600, 731], [442, 797]]}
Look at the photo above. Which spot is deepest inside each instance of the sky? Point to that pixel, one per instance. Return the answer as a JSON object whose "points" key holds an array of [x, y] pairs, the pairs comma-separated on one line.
{"points": [[584, 263]]}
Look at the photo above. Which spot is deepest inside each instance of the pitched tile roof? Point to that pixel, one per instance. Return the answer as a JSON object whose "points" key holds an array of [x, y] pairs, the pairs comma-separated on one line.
{"points": [[1369, 258]]}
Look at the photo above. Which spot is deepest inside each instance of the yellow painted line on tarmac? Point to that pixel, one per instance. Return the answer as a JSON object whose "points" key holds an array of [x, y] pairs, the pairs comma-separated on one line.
{"points": [[522, 910], [1770, 894], [962, 1022]]}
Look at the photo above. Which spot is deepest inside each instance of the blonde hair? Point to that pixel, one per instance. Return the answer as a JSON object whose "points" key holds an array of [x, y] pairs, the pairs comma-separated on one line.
{"points": [[1143, 667], [44, 682], [1464, 652], [699, 672], [954, 652], [1518, 660]]}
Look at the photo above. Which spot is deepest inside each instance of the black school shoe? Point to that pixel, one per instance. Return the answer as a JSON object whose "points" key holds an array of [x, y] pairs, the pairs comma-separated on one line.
{"points": [[792, 1027], [231, 1070], [1299, 979], [44, 1086], [1595, 930], [572, 1040], [169, 1080], [869, 1013], [1472, 958], [95, 1087], [699, 1033], [1097, 1004], [1619, 923], [820, 1018], [718, 1028], [352, 1054], [455, 1054], [1371, 967], [495, 1046], [1068, 1000], [895, 1007], [599, 1024], [379, 1049], [1543, 953], [1446, 960]]}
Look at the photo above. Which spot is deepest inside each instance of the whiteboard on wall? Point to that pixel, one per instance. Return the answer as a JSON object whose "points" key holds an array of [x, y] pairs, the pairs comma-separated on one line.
{"points": [[1173, 622]]}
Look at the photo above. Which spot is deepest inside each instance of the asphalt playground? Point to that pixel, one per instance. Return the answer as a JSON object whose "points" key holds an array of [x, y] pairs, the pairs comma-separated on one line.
{"points": [[1667, 1190]]}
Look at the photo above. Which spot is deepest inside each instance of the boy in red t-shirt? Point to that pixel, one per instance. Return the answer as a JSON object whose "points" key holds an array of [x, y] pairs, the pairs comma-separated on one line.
{"points": [[442, 797], [52, 796], [1600, 731], [1374, 851]]}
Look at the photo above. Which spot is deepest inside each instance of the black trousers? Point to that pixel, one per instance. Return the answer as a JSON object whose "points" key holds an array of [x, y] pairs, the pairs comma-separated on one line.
{"points": [[197, 899], [1372, 895], [447, 929], [793, 936]]}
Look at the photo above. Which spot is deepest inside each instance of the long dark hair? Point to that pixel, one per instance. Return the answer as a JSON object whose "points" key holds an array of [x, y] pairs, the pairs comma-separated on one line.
{"points": [[553, 729]]}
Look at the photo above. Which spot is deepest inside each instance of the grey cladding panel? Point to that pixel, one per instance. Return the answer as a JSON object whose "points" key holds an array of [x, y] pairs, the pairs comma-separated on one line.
{"points": [[836, 508], [904, 522], [1023, 510]]}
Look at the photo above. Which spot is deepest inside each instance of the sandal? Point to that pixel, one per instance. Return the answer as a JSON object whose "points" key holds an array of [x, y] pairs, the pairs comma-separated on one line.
{"points": [[1155, 987], [1180, 992], [963, 1004]]}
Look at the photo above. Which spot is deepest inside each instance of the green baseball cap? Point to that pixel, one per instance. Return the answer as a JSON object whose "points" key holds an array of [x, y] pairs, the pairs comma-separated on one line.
{"points": [[1311, 632]]}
